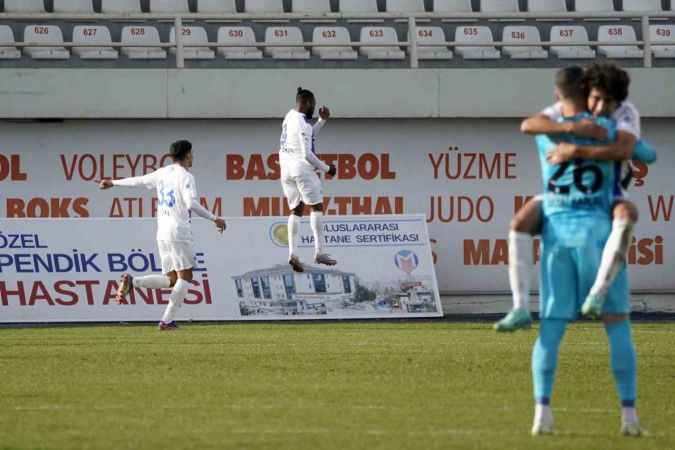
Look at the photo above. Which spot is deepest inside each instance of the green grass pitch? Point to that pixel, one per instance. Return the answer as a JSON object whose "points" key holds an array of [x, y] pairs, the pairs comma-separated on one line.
{"points": [[319, 386]]}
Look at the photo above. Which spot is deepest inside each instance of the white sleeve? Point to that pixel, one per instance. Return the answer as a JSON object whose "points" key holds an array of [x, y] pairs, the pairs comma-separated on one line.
{"points": [[148, 181], [189, 189], [553, 112], [307, 153], [627, 119], [318, 126]]}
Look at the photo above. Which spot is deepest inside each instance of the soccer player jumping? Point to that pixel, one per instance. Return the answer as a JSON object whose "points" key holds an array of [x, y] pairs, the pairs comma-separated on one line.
{"points": [[301, 184], [177, 199]]}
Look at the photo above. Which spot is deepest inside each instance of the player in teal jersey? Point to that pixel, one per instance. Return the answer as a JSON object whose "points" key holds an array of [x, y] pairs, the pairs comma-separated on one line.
{"points": [[577, 203]]}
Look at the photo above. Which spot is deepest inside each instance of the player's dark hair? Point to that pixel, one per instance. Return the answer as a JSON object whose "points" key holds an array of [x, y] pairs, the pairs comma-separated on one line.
{"points": [[570, 82], [179, 150], [303, 95], [610, 79]]}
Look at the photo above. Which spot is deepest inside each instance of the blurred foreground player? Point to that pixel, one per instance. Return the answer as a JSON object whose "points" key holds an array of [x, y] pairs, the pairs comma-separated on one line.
{"points": [[177, 199]]}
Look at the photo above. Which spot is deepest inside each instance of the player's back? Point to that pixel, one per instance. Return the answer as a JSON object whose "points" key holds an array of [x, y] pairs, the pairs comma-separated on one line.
{"points": [[174, 185], [294, 129], [578, 194]]}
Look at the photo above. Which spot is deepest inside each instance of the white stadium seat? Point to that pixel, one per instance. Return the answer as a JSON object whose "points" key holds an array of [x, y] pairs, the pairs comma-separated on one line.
{"points": [[358, 6], [139, 34], [452, 6], [594, 5], [216, 6], [618, 33], [663, 40], [285, 35], [565, 34], [497, 6], [238, 35], [546, 6], [405, 5], [121, 6], [169, 6], [642, 5], [6, 41], [74, 6], [523, 34], [193, 35], [311, 6], [431, 35], [381, 36], [93, 34], [476, 35], [264, 6], [45, 34], [338, 36], [24, 6]]}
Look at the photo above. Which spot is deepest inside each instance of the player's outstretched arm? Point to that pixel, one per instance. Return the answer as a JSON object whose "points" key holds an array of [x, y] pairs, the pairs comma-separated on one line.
{"points": [[204, 213], [644, 152], [620, 150], [541, 124], [145, 180]]}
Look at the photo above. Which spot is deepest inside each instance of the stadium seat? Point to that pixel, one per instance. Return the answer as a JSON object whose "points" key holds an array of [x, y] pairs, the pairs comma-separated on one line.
{"points": [[476, 35], [45, 34], [405, 6], [193, 35], [431, 35], [74, 6], [524, 34], [6, 40], [642, 5], [169, 6], [565, 34], [381, 36], [663, 40], [358, 6], [618, 33], [142, 35], [333, 35], [311, 6], [217, 6], [121, 6], [498, 6], [238, 35], [285, 35], [546, 6], [264, 6], [93, 34], [452, 6], [594, 5], [24, 6]]}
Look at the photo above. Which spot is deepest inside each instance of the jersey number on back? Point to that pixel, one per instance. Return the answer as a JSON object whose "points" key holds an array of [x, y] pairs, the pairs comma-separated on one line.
{"points": [[578, 172], [167, 199]]}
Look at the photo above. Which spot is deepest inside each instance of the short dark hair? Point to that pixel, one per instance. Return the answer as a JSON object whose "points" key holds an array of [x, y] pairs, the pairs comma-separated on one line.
{"points": [[570, 82], [180, 149], [609, 78], [303, 95]]}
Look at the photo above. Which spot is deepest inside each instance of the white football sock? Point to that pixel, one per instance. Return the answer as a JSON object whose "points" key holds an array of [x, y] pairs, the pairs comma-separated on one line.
{"points": [[613, 255], [520, 268], [317, 229], [293, 227], [629, 415], [176, 298], [152, 281]]}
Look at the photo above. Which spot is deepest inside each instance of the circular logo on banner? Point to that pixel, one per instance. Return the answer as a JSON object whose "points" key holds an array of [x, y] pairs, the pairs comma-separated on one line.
{"points": [[280, 234], [407, 261]]}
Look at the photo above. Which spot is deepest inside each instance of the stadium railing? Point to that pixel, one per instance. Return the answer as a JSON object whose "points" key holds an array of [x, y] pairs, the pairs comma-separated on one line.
{"points": [[412, 20]]}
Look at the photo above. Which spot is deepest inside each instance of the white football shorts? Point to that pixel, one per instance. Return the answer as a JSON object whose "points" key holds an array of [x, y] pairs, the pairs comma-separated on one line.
{"points": [[176, 255], [301, 184]]}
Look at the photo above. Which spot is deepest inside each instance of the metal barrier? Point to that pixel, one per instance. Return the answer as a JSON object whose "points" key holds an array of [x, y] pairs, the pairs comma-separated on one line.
{"points": [[411, 19]]}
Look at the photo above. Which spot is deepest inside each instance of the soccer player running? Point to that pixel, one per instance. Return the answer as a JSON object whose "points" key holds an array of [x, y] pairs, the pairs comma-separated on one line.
{"points": [[299, 180], [177, 199], [577, 203], [607, 85]]}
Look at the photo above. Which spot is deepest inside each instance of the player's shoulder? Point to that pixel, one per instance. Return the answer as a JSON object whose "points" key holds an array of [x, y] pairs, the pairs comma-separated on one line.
{"points": [[627, 108]]}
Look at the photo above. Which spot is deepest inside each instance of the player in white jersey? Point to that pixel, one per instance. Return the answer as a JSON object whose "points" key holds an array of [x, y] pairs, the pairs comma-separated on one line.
{"points": [[607, 93], [299, 180], [177, 199]]}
